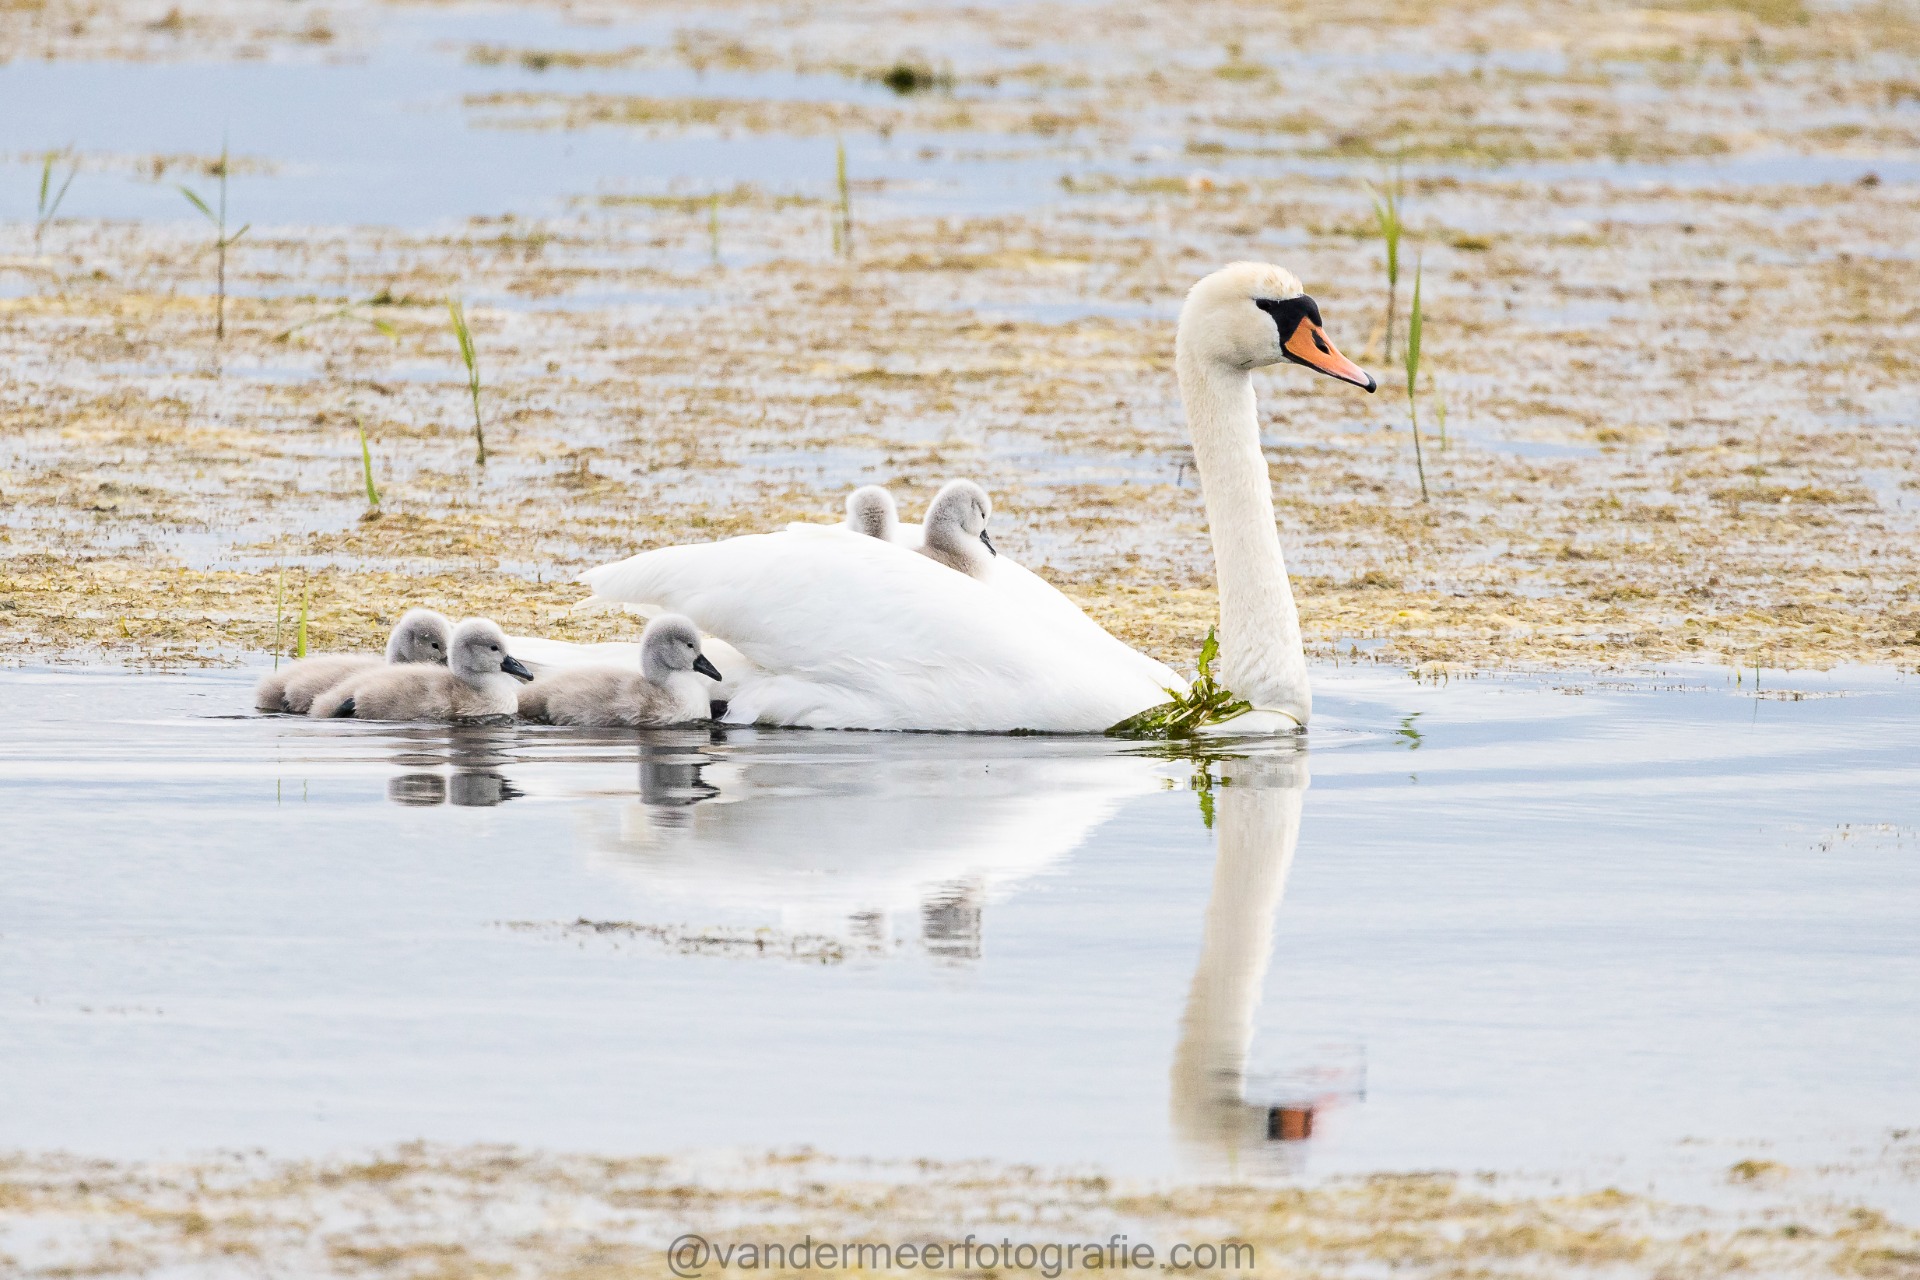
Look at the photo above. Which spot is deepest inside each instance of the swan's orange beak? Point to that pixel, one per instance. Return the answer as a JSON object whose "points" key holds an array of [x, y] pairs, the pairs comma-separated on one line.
{"points": [[1310, 346]]}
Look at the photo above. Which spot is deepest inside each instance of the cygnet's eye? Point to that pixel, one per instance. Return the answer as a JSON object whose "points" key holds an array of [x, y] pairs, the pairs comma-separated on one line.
{"points": [[494, 647]]}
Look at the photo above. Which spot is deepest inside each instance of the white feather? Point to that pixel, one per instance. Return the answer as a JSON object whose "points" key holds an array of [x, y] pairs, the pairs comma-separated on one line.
{"points": [[842, 631]]}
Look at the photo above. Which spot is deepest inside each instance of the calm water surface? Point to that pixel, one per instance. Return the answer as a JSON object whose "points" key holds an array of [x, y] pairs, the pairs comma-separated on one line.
{"points": [[1494, 924]]}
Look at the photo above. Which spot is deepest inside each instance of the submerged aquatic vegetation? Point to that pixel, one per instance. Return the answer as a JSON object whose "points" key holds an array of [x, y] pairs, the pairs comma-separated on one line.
{"points": [[1386, 217], [471, 358], [49, 206], [1413, 381], [221, 241], [1206, 702]]}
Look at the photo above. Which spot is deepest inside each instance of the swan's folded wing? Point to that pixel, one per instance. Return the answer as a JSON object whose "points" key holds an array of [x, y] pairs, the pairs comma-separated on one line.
{"points": [[857, 633], [1035, 593]]}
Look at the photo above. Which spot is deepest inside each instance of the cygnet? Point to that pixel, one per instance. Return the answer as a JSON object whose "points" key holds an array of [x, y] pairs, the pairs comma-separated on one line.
{"points": [[956, 528], [666, 690], [421, 636], [480, 681], [870, 510]]}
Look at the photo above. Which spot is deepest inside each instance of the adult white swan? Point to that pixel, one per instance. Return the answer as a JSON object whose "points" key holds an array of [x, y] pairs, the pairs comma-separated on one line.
{"points": [[834, 629]]}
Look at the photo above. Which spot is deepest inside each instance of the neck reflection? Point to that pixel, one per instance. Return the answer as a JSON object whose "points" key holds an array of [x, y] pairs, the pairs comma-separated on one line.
{"points": [[1256, 811]]}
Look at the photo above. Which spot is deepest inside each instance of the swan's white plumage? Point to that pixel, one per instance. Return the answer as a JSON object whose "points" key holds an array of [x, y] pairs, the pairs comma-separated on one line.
{"points": [[842, 631]]}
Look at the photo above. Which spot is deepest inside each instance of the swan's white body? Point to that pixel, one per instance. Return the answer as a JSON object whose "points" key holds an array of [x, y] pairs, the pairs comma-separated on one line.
{"points": [[837, 630]]}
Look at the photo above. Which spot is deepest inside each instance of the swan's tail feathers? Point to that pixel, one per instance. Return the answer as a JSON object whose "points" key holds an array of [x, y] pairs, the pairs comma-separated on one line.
{"points": [[593, 604]]}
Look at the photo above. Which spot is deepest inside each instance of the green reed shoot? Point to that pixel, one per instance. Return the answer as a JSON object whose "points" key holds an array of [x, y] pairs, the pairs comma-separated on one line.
{"points": [[222, 241], [1386, 216], [471, 358], [300, 633], [1206, 702], [1439, 406], [366, 467], [1413, 381], [843, 220], [348, 312], [49, 207], [713, 226]]}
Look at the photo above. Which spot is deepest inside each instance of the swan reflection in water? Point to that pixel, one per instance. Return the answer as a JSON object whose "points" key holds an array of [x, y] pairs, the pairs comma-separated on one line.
{"points": [[458, 764], [866, 838], [1257, 825], [853, 836]]}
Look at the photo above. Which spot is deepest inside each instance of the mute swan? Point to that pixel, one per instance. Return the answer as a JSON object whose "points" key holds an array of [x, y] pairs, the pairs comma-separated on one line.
{"points": [[843, 631], [1244, 317], [668, 688], [421, 636], [480, 680], [870, 510], [956, 528]]}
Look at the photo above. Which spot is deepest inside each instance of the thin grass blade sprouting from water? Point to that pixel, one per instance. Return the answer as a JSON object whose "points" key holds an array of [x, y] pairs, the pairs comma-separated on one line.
{"points": [[222, 241], [366, 467], [1414, 324], [843, 226], [1386, 216], [471, 358], [49, 205]]}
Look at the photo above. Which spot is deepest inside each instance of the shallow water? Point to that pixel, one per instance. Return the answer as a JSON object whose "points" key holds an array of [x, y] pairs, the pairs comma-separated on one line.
{"points": [[391, 126], [1494, 924]]}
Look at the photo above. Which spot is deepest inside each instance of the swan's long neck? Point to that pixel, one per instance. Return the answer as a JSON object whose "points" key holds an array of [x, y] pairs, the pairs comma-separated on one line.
{"points": [[1260, 654]]}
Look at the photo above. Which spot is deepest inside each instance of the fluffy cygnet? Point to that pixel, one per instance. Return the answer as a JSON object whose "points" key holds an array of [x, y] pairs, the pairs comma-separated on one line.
{"points": [[956, 528], [870, 510], [666, 690], [480, 680], [421, 636]]}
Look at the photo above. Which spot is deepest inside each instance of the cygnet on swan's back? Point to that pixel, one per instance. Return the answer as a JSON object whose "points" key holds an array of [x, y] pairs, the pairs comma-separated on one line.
{"points": [[666, 690], [870, 510], [421, 636], [955, 531], [480, 680]]}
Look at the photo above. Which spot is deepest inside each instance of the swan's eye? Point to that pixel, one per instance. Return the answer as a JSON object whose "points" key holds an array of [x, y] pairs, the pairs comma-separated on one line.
{"points": [[494, 647]]}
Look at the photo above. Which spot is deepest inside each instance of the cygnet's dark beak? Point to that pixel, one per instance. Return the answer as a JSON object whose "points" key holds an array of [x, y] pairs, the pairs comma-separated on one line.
{"points": [[514, 667], [989, 541], [706, 668]]}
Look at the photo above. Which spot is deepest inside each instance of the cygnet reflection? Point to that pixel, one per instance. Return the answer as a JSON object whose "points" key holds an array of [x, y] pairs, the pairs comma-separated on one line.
{"points": [[471, 755], [1257, 826], [869, 841]]}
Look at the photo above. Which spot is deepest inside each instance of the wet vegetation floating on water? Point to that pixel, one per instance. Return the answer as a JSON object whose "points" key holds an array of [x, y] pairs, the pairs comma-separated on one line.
{"points": [[1206, 702]]}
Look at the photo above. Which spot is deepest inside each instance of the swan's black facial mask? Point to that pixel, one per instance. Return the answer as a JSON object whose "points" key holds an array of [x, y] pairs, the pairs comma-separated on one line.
{"points": [[1304, 341]]}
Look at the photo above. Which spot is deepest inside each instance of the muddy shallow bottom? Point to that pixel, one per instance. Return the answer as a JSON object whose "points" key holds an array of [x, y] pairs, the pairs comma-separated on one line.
{"points": [[1519, 924]]}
